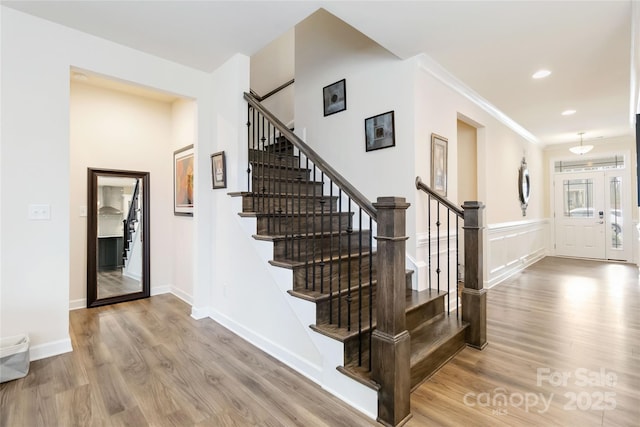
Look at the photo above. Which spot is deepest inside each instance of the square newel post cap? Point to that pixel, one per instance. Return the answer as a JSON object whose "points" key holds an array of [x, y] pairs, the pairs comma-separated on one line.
{"points": [[472, 205], [391, 202]]}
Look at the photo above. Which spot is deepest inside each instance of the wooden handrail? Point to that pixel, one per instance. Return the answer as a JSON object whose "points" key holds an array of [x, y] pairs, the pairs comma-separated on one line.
{"points": [[273, 92], [422, 186], [315, 158]]}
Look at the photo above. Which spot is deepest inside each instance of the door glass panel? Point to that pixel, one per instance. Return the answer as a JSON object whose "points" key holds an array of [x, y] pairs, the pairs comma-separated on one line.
{"points": [[578, 198], [615, 211]]}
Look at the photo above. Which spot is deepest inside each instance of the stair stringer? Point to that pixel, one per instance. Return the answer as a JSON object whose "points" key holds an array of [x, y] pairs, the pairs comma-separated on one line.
{"points": [[331, 351]]}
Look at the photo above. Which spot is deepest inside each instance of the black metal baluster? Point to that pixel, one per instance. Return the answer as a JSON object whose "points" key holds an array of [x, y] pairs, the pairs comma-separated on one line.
{"points": [[448, 263], [370, 286], [261, 188], [248, 148], [322, 263], [331, 257], [339, 258], [299, 198], [277, 183], [438, 245], [315, 237], [457, 265], [429, 239], [349, 233], [360, 287], [306, 240]]}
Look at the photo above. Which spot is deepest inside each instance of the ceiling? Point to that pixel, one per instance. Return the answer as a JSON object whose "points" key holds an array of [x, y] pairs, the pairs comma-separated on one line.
{"points": [[492, 47]]}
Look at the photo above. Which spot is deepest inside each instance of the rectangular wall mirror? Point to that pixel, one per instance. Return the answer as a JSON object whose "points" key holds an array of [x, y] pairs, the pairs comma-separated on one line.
{"points": [[117, 236]]}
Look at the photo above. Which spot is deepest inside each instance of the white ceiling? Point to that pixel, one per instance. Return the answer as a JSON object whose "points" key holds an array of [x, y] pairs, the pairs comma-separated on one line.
{"points": [[493, 47]]}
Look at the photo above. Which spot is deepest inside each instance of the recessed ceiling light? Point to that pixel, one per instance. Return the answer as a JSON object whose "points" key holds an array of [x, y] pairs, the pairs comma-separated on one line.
{"points": [[540, 74], [568, 112]]}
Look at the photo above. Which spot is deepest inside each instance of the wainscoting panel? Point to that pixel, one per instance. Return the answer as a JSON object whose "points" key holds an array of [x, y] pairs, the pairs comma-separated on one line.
{"points": [[512, 246], [509, 248]]}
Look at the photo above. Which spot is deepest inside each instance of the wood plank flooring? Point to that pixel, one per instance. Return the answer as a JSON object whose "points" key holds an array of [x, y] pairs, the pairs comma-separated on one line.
{"points": [[147, 362], [576, 318]]}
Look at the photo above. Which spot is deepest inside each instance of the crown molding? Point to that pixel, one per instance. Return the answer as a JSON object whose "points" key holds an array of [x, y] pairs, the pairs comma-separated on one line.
{"points": [[432, 67]]}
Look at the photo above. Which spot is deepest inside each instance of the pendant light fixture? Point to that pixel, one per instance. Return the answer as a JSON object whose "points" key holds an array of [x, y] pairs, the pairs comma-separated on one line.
{"points": [[581, 149]]}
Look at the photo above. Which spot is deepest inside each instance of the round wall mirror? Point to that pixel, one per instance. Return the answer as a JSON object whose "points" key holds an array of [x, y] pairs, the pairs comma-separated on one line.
{"points": [[524, 186]]}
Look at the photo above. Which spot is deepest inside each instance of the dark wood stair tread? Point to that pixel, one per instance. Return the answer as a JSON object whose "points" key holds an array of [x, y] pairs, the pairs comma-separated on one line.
{"points": [[414, 299], [429, 336], [319, 235], [360, 374], [328, 257], [317, 296]]}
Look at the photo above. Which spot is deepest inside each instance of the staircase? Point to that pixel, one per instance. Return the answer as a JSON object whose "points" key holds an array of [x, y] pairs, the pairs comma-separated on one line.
{"points": [[333, 262]]}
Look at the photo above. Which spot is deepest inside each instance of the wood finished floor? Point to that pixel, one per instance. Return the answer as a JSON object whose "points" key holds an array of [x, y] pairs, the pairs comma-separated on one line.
{"points": [[147, 362], [572, 317]]}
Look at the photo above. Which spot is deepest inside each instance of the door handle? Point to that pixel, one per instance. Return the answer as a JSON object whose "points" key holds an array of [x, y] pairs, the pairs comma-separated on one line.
{"points": [[600, 222]]}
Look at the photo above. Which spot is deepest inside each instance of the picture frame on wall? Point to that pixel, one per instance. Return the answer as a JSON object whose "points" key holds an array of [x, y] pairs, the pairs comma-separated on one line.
{"points": [[335, 97], [380, 131], [218, 170], [439, 164], [183, 181]]}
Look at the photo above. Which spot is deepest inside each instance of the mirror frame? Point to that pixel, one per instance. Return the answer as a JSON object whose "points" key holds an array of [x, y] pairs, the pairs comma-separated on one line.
{"points": [[92, 236]]}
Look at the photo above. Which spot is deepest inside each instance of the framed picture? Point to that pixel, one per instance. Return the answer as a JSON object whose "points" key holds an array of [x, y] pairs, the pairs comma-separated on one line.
{"points": [[379, 131], [439, 164], [335, 97], [218, 170], [183, 181]]}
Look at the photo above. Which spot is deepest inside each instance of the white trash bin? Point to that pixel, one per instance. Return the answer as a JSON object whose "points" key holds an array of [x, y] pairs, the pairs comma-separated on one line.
{"points": [[14, 357]]}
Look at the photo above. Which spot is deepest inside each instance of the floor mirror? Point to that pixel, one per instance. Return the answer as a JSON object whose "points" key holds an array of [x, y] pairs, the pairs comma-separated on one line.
{"points": [[117, 236]]}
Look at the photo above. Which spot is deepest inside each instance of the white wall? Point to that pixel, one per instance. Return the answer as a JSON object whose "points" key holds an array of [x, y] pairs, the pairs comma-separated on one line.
{"points": [[328, 50], [184, 113], [35, 163], [499, 151], [271, 67]]}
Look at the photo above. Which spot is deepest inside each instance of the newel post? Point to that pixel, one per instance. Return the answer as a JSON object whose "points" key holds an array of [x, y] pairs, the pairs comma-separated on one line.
{"points": [[390, 341], [474, 297]]}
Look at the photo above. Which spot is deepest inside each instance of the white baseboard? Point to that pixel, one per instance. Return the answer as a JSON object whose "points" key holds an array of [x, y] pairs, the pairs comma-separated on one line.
{"points": [[53, 348], [200, 312], [182, 295], [159, 290], [76, 304], [304, 367]]}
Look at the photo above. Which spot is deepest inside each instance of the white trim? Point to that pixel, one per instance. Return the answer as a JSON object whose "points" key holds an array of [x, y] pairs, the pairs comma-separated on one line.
{"points": [[77, 304], [514, 246], [159, 290], [429, 65], [182, 295], [515, 224], [198, 313], [50, 349], [304, 367]]}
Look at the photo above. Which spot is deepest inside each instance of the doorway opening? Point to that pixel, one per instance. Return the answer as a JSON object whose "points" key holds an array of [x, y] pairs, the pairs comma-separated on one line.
{"points": [[592, 208]]}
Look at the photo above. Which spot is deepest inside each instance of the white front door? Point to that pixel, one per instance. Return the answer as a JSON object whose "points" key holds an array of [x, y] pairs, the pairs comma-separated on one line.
{"points": [[589, 215]]}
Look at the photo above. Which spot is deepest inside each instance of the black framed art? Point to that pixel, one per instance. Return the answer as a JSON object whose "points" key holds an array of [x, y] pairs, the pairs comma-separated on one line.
{"points": [[335, 97], [379, 131]]}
